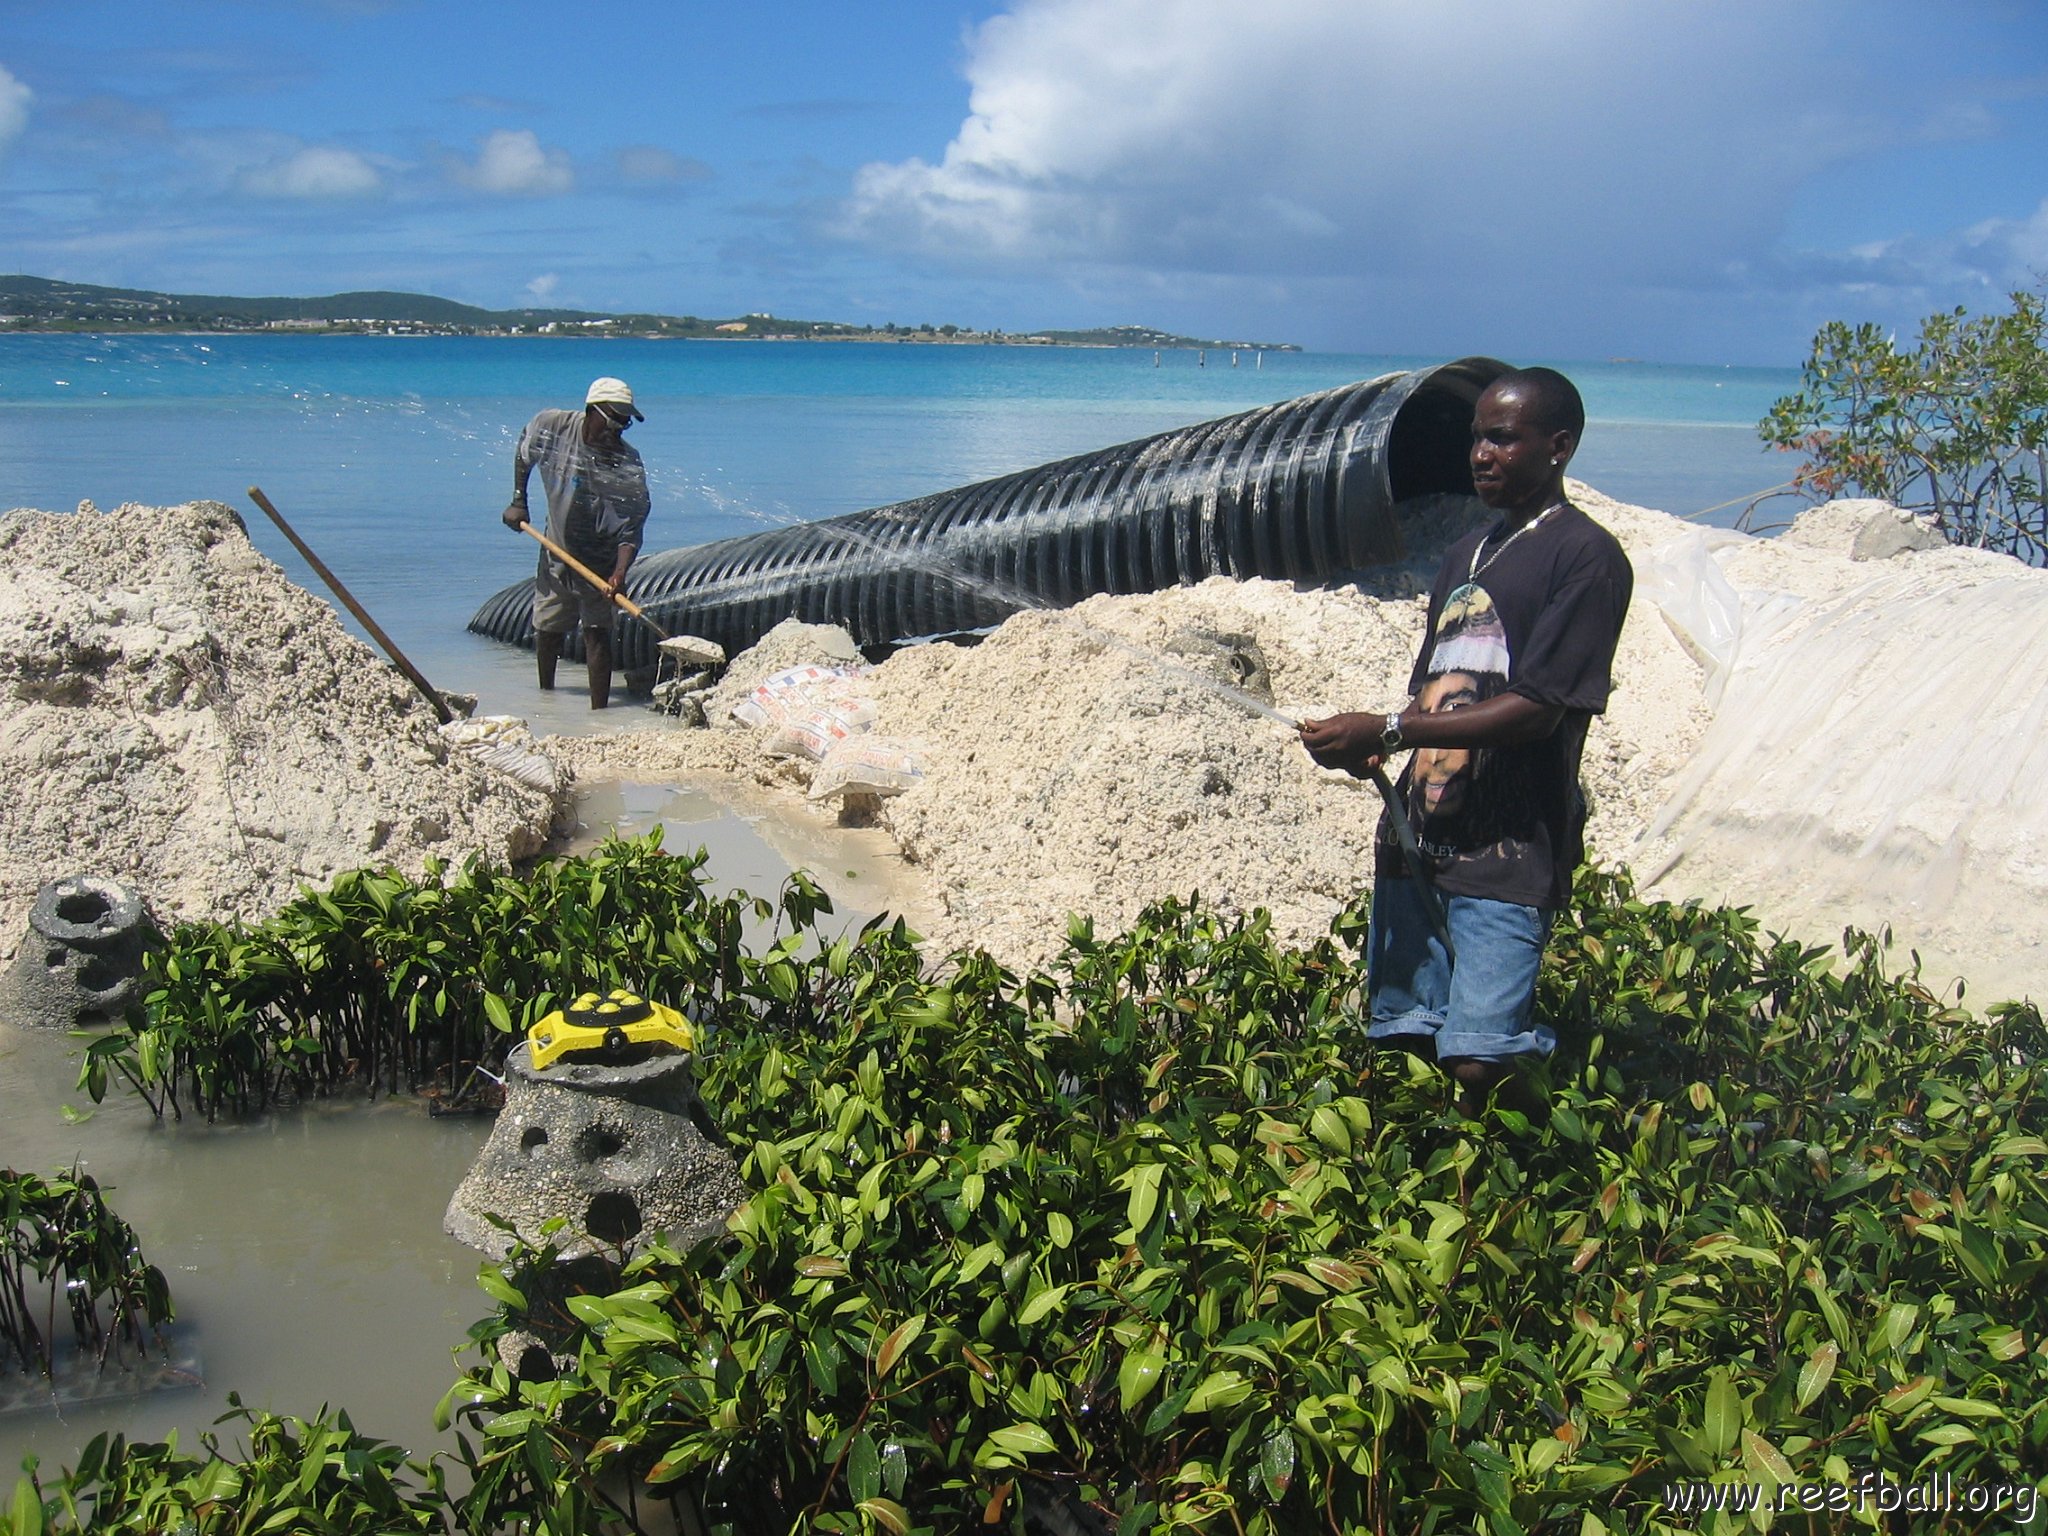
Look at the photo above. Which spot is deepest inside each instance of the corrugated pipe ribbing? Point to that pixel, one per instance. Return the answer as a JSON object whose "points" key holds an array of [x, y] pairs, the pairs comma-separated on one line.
{"points": [[1302, 490]]}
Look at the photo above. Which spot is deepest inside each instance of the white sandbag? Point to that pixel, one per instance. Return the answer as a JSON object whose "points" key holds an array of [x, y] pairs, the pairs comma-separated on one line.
{"points": [[1713, 621], [1696, 598], [776, 698], [873, 765], [503, 743], [813, 731]]}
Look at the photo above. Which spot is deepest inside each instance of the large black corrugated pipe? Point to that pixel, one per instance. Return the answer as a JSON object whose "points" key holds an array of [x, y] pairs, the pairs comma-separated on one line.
{"points": [[1301, 490]]}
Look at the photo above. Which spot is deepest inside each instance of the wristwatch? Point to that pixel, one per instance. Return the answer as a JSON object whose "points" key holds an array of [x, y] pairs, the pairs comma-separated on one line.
{"points": [[1391, 739]]}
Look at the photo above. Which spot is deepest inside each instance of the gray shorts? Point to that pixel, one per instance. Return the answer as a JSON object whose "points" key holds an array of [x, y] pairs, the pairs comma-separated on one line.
{"points": [[562, 600]]}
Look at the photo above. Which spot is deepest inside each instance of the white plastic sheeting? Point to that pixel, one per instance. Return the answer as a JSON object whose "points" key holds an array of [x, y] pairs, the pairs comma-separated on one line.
{"points": [[1881, 756], [1711, 619]]}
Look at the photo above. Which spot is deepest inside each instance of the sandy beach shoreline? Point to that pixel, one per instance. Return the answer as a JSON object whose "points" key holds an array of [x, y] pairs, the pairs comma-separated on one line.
{"points": [[185, 719]]}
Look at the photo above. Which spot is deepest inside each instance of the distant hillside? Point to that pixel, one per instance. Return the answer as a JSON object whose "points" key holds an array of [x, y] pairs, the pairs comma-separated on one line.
{"points": [[1145, 336], [44, 300], [40, 303], [44, 304]]}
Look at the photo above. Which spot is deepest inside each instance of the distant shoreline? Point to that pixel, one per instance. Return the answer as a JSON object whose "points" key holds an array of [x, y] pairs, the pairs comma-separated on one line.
{"points": [[42, 305], [883, 338]]}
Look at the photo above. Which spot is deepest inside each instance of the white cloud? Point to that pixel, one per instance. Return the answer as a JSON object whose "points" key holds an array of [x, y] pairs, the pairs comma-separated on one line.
{"points": [[316, 172], [14, 100], [512, 163], [2012, 253], [1431, 153], [1993, 256], [544, 285]]}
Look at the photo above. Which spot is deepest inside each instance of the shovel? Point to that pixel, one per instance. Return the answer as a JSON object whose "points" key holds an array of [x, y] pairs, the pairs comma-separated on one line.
{"points": [[593, 578], [1404, 830]]}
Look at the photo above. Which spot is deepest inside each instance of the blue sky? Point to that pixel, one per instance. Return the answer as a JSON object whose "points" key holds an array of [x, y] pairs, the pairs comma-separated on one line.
{"points": [[1678, 180]]}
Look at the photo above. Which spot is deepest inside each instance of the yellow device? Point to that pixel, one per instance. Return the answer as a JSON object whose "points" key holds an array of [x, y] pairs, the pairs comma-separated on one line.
{"points": [[609, 1026]]}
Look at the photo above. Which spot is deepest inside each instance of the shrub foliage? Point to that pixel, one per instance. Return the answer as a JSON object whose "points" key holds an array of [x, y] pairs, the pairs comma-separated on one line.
{"points": [[1955, 426], [59, 1236], [385, 983], [1150, 1242], [320, 1478]]}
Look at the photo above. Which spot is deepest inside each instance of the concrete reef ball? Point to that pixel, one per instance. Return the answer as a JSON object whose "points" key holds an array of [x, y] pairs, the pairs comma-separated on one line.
{"points": [[619, 1152], [81, 959]]}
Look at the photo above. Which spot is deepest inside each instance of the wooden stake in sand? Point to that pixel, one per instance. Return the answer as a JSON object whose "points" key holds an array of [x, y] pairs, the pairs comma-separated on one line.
{"points": [[412, 673]]}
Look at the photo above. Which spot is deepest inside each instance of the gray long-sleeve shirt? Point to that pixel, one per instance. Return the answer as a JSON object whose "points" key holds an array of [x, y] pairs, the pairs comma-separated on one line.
{"points": [[597, 498]]}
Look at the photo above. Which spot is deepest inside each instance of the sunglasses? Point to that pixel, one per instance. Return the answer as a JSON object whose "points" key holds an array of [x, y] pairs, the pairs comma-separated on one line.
{"points": [[618, 416]]}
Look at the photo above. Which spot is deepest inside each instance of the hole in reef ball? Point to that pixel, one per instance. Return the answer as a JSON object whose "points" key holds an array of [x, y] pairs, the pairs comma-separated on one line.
{"points": [[96, 975], [596, 1142], [536, 1364], [83, 906], [533, 1136], [612, 1217]]}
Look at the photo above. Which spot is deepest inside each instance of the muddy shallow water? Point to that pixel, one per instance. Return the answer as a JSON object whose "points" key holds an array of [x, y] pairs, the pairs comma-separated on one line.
{"points": [[304, 1251]]}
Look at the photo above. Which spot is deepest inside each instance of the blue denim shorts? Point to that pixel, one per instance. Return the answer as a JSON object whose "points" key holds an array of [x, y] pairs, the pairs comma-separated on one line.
{"points": [[1484, 1005]]}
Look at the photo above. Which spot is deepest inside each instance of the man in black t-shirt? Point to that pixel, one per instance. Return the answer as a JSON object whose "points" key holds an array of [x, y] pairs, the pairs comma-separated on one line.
{"points": [[1515, 661]]}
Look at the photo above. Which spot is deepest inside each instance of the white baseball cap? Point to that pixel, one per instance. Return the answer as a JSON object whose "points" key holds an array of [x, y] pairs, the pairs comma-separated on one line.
{"points": [[610, 391]]}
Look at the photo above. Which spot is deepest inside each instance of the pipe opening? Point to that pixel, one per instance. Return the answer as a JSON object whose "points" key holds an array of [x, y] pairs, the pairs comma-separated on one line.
{"points": [[1429, 449]]}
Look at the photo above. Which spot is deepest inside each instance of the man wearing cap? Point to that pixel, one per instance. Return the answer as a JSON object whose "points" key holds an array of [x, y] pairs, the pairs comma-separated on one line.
{"points": [[597, 508]]}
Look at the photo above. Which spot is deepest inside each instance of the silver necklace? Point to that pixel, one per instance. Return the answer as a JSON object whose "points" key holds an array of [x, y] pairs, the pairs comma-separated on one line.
{"points": [[1473, 571]]}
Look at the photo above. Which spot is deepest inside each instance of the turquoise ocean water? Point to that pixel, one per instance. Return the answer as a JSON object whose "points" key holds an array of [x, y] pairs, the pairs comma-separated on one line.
{"points": [[391, 455]]}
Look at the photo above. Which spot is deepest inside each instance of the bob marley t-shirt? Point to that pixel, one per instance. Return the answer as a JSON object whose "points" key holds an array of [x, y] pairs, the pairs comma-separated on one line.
{"points": [[1537, 613]]}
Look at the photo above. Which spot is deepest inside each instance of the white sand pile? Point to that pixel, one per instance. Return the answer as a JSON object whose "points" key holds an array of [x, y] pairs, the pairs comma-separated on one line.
{"points": [[1080, 761], [1879, 728], [175, 714]]}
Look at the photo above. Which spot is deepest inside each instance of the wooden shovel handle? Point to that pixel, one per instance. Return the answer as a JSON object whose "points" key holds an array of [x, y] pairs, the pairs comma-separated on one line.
{"points": [[590, 576]]}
